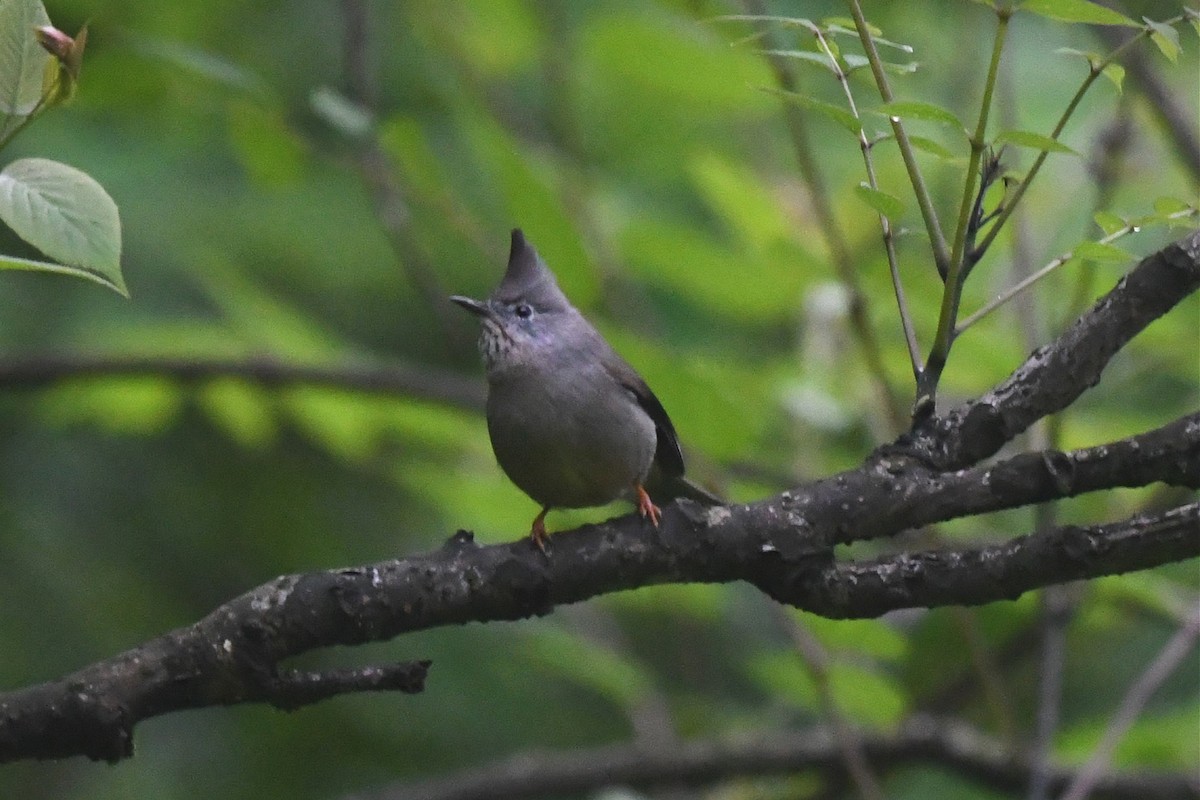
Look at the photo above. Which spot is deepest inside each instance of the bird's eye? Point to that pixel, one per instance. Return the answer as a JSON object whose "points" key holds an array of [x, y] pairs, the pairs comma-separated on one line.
{"points": [[523, 311]]}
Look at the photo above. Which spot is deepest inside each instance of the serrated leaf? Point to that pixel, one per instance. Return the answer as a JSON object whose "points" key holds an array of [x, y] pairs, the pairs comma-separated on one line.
{"points": [[1034, 140], [64, 213], [1165, 38], [886, 204], [22, 60], [915, 109], [838, 114], [1115, 73], [1108, 222], [1077, 11], [1102, 253]]}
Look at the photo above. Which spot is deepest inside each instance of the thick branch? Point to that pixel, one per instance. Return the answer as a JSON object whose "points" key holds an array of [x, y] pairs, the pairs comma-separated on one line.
{"points": [[783, 544], [232, 655], [1005, 571], [921, 740], [1058, 373]]}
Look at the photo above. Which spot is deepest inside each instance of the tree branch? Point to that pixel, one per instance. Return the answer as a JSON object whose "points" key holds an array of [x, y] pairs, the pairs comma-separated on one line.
{"points": [[783, 544], [920, 740], [411, 380], [1000, 572], [1055, 375]]}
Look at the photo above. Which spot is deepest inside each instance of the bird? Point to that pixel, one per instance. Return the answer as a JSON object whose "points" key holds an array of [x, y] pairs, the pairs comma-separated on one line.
{"points": [[571, 423]]}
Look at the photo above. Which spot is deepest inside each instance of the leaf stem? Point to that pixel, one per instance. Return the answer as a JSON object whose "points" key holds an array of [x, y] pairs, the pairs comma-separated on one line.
{"points": [[955, 274], [1094, 71], [924, 200], [1013, 291], [889, 240]]}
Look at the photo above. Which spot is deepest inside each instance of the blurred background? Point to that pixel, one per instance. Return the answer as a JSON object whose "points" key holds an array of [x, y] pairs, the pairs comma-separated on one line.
{"points": [[306, 182]]}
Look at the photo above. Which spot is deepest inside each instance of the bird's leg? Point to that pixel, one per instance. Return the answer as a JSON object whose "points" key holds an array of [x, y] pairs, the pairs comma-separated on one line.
{"points": [[537, 532], [646, 506]]}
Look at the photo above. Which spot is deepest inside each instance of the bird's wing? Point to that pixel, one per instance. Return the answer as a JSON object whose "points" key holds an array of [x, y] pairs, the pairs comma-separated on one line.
{"points": [[667, 454]]}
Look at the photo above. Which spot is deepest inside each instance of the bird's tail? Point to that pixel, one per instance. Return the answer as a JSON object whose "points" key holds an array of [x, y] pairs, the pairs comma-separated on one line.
{"points": [[678, 486]]}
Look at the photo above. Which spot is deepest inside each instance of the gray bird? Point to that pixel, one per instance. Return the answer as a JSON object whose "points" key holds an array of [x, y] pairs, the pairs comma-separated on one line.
{"points": [[571, 423]]}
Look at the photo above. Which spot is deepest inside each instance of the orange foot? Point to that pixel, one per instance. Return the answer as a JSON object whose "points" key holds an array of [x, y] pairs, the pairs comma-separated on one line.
{"points": [[537, 532], [646, 506]]}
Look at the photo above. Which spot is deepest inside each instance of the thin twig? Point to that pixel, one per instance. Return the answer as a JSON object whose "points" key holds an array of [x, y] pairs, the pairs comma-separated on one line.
{"points": [[933, 227], [827, 224], [1095, 70], [889, 240], [1161, 101], [943, 744], [849, 743], [378, 176], [1139, 694], [1021, 286]]}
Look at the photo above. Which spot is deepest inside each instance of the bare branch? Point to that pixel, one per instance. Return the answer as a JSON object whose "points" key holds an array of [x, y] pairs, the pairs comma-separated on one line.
{"points": [[783, 545], [231, 655], [1056, 374], [1165, 663], [973, 577], [920, 740], [411, 380]]}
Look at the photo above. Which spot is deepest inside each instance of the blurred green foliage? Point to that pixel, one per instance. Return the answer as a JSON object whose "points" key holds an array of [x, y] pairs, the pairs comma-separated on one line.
{"points": [[640, 152]]}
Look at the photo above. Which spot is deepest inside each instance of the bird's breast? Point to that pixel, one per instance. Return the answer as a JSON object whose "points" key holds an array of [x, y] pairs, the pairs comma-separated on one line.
{"points": [[569, 437]]}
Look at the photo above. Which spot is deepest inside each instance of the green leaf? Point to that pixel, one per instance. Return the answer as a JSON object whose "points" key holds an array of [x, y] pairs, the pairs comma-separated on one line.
{"points": [[1165, 37], [267, 147], [1108, 222], [566, 655], [64, 213], [862, 637], [30, 265], [341, 113], [796, 22], [1035, 141], [897, 68], [22, 59], [242, 410], [838, 114], [1089, 56], [886, 204], [202, 64], [1171, 205], [1077, 11], [807, 56], [1102, 253], [741, 197], [868, 697], [125, 406], [845, 26], [930, 146], [1115, 73], [915, 109]]}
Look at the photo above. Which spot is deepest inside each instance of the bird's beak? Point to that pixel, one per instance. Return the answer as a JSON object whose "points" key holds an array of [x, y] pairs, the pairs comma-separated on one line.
{"points": [[476, 307]]}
